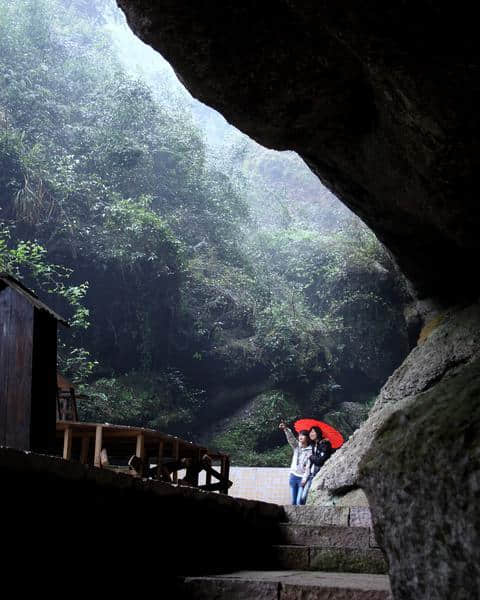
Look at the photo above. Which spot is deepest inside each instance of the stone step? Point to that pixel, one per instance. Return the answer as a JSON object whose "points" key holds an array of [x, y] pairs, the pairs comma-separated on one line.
{"points": [[286, 585], [331, 536], [317, 515], [355, 516], [315, 558]]}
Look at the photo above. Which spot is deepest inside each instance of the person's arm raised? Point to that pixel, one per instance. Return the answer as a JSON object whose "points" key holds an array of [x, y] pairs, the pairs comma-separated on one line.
{"points": [[291, 439]]}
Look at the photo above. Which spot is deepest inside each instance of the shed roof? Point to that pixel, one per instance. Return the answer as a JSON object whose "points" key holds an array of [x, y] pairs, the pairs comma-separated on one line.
{"points": [[16, 285]]}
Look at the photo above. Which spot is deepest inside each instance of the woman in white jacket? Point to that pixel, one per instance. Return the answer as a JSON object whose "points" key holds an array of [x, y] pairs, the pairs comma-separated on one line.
{"points": [[301, 465]]}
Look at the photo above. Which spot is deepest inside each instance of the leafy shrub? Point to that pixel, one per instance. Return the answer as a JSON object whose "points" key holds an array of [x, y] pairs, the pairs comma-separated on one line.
{"points": [[163, 401], [253, 438]]}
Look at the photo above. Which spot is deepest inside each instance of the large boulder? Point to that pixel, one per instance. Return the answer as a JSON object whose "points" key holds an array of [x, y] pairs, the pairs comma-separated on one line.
{"points": [[422, 477], [448, 342]]}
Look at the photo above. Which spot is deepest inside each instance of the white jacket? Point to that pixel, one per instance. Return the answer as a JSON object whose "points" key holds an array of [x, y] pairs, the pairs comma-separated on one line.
{"points": [[301, 464]]}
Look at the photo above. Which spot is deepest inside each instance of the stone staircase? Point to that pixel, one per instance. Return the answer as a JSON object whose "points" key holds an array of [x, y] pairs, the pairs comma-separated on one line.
{"points": [[320, 553]]}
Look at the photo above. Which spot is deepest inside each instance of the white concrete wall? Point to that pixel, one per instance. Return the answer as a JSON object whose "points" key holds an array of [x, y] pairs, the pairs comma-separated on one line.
{"points": [[269, 484]]}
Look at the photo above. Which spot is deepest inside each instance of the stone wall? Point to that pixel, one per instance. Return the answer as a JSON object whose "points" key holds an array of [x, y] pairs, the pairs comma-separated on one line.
{"points": [[268, 484], [98, 527]]}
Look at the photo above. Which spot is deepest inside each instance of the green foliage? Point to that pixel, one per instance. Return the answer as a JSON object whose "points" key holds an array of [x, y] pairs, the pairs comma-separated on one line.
{"points": [[108, 179], [202, 270], [27, 261], [249, 436], [133, 233], [75, 363], [323, 281], [163, 400], [291, 341]]}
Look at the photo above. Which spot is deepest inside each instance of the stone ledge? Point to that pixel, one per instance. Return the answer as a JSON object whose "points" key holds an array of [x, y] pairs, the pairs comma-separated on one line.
{"points": [[288, 585], [331, 536], [360, 516], [348, 560], [317, 515], [56, 508], [53, 467], [314, 558]]}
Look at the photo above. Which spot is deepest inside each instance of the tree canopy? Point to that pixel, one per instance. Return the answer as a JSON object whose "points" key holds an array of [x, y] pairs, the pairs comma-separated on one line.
{"points": [[202, 272]]}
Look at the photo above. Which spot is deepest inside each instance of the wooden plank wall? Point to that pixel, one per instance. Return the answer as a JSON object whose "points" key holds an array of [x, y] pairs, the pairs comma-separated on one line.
{"points": [[44, 383], [16, 350]]}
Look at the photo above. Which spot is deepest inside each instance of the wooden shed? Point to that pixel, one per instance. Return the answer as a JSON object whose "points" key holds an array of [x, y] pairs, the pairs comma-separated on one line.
{"points": [[28, 368]]}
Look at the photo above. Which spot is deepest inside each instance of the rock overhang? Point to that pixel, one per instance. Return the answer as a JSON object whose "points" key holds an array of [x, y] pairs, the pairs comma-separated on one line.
{"points": [[378, 98]]}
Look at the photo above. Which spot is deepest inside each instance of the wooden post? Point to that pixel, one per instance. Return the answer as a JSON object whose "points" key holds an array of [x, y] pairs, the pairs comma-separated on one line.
{"points": [[201, 453], [73, 405], [176, 456], [222, 468], [140, 452], [208, 476], [198, 466], [59, 411], [227, 473], [84, 450], [98, 446], [67, 443], [160, 458]]}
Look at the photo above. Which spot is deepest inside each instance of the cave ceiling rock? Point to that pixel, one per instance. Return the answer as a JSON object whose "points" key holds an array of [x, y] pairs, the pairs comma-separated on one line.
{"points": [[379, 98]]}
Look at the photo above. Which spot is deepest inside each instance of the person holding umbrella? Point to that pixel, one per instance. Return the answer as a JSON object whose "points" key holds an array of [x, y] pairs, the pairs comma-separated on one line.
{"points": [[324, 439], [301, 465], [321, 449]]}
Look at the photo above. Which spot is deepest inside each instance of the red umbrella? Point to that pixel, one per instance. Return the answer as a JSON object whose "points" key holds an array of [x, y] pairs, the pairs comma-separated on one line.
{"points": [[329, 433]]}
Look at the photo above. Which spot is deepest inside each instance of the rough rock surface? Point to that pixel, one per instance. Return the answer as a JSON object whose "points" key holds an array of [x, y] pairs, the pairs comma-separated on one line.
{"points": [[379, 97], [422, 476], [328, 536], [317, 515], [356, 499], [449, 346]]}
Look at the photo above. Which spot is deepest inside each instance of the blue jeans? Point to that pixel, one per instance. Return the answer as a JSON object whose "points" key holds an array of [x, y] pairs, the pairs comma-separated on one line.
{"points": [[297, 490], [306, 489]]}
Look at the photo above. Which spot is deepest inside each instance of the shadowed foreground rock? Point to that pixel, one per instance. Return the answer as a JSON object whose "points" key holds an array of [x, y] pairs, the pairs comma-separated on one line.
{"points": [[110, 530], [422, 475]]}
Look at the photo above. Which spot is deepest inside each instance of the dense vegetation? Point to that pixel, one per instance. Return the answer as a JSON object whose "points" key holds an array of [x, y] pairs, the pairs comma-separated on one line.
{"points": [[214, 286]]}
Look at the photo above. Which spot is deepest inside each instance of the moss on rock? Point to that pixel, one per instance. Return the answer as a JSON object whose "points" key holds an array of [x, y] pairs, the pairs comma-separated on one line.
{"points": [[422, 477]]}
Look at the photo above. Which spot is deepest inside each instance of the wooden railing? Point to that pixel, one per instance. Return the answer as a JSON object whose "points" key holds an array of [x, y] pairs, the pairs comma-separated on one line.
{"points": [[142, 452]]}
